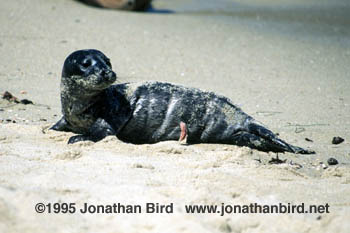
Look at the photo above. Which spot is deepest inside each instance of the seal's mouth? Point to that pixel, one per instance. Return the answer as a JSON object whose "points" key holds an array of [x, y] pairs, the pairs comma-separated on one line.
{"points": [[110, 76], [94, 82], [104, 79]]}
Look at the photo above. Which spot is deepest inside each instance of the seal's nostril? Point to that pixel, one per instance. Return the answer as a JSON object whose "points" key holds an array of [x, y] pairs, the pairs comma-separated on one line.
{"points": [[108, 73]]}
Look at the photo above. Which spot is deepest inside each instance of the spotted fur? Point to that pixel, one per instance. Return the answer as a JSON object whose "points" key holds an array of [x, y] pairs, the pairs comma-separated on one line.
{"points": [[151, 112]]}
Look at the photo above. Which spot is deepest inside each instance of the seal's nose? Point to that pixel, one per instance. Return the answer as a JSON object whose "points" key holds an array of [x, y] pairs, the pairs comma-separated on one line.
{"points": [[109, 74], [103, 72]]}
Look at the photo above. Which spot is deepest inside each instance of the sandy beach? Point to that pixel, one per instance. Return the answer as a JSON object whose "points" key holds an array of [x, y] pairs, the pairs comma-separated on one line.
{"points": [[286, 64]]}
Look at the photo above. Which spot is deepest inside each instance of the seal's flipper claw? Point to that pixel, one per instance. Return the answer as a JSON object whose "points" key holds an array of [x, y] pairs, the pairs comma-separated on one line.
{"points": [[61, 125]]}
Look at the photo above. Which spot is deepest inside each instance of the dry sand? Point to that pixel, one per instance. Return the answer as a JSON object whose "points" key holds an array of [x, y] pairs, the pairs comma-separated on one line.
{"points": [[286, 64]]}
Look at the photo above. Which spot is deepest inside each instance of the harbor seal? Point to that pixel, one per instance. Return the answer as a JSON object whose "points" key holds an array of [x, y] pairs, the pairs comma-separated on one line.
{"points": [[151, 112]]}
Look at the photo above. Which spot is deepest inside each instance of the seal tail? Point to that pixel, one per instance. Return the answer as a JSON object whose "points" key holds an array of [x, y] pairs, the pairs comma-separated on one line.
{"points": [[264, 139]]}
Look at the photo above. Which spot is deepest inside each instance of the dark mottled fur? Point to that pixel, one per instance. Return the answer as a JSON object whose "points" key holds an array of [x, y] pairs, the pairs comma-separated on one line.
{"points": [[150, 112]]}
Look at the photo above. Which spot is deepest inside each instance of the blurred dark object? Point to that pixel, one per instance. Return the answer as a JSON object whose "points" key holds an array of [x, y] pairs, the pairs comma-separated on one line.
{"points": [[131, 5], [8, 96], [277, 160], [332, 161], [308, 139], [337, 140], [26, 101]]}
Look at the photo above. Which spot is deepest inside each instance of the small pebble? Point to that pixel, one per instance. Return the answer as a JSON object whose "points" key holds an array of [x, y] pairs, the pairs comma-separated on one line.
{"points": [[332, 161], [337, 140], [308, 139]]}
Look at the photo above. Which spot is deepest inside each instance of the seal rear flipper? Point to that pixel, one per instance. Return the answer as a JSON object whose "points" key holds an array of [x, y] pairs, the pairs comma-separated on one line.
{"points": [[272, 141], [253, 141], [61, 125]]}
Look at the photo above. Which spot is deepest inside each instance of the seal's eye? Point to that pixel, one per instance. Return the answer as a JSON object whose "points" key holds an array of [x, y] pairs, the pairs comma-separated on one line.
{"points": [[86, 63]]}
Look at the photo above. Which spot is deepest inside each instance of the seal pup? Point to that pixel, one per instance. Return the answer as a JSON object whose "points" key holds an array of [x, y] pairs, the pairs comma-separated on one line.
{"points": [[151, 112]]}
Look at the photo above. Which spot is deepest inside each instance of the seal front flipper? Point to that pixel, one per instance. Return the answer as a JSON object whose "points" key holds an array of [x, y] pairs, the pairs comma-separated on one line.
{"points": [[61, 125], [98, 131]]}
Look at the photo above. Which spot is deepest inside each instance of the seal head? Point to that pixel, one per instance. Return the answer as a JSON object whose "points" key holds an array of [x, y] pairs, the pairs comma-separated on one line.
{"points": [[85, 74], [87, 70]]}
